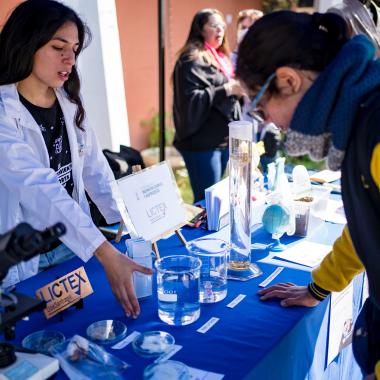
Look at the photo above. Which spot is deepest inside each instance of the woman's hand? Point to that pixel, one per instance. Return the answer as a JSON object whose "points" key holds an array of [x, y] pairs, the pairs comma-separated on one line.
{"points": [[233, 87], [119, 270], [291, 295]]}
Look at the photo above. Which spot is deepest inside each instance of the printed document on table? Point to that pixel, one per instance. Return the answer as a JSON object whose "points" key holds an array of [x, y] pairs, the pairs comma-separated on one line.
{"points": [[335, 212], [341, 323], [305, 253]]}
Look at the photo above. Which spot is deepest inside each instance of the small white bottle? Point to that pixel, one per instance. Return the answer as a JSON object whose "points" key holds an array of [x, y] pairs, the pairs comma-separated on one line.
{"points": [[140, 251], [301, 182]]}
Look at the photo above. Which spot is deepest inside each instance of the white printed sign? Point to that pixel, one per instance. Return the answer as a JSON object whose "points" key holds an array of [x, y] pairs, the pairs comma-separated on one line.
{"points": [[341, 322], [152, 200]]}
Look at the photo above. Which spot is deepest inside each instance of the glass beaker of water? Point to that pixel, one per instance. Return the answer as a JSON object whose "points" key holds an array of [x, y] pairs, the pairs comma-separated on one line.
{"points": [[213, 280], [178, 289]]}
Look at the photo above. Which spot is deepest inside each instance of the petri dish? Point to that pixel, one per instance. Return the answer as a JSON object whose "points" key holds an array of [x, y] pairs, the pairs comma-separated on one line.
{"points": [[168, 370], [108, 331], [153, 343], [41, 341]]}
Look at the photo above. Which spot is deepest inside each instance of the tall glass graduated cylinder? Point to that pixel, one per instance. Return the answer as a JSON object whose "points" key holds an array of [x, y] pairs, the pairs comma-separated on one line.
{"points": [[240, 142]]}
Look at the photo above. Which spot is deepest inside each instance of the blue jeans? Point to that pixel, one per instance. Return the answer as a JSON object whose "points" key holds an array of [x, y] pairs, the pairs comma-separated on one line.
{"points": [[205, 168], [54, 257]]}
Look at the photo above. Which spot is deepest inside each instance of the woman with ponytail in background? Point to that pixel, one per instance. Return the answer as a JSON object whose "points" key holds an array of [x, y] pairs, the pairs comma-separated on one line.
{"points": [[322, 88]]}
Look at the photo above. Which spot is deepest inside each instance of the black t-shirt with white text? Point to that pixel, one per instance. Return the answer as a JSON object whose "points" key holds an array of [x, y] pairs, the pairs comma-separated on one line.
{"points": [[52, 125]]}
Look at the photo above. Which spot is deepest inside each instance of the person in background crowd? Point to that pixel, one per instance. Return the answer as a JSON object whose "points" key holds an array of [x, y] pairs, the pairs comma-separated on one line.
{"points": [[49, 154], [319, 85], [205, 100], [246, 18], [266, 132]]}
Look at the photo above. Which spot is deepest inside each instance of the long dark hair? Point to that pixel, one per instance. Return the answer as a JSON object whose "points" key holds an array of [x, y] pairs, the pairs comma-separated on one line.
{"points": [[286, 38], [30, 26], [195, 39]]}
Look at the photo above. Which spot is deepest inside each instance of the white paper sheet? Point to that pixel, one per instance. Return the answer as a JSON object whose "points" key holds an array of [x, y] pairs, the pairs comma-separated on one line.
{"points": [[305, 253], [335, 212], [217, 203], [341, 323], [325, 176]]}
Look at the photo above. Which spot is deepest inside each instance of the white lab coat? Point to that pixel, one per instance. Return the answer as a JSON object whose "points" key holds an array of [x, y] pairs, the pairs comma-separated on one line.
{"points": [[30, 190]]}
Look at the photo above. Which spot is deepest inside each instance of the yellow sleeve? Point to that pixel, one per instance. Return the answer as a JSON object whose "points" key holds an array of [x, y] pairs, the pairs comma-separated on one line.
{"points": [[342, 264], [375, 173], [339, 267], [375, 165]]}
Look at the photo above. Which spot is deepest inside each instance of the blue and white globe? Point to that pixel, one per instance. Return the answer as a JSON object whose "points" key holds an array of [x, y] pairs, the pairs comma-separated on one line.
{"points": [[276, 219]]}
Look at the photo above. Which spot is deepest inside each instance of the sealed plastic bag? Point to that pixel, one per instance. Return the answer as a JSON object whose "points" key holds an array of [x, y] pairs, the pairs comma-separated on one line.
{"points": [[84, 360]]}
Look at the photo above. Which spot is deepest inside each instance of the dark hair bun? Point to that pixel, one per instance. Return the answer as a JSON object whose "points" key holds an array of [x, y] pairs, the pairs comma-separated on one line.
{"points": [[331, 34], [332, 24]]}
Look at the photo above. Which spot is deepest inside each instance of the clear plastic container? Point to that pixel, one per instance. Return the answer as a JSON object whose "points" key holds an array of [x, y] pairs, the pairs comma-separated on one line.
{"points": [[41, 341], [169, 370], [153, 343], [106, 331], [321, 196]]}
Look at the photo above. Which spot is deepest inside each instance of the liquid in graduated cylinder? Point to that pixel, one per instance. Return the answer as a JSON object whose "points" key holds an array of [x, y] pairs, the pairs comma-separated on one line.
{"points": [[240, 190], [178, 292]]}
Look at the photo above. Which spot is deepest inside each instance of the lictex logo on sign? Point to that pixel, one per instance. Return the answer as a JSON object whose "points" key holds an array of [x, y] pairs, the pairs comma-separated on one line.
{"points": [[65, 291]]}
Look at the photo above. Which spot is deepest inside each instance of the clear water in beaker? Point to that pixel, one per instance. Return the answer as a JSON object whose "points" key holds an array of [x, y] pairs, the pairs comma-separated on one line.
{"points": [[178, 289]]}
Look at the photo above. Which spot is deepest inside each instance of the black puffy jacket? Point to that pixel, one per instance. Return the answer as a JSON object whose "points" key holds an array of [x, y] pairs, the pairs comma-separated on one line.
{"points": [[201, 107]]}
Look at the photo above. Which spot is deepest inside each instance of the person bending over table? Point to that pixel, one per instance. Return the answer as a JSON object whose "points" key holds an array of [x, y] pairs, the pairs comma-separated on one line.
{"points": [[323, 89], [49, 154]]}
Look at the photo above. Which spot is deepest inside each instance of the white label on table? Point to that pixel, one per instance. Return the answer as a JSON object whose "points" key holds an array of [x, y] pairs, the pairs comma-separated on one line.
{"points": [[128, 339], [237, 300], [207, 326], [271, 277], [198, 374], [167, 355]]}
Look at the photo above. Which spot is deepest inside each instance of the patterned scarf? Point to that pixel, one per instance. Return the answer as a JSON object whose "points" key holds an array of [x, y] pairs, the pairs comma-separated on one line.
{"points": [[325, 116]]}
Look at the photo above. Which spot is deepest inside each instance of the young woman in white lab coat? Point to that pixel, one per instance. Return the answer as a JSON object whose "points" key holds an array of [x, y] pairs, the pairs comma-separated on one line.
{"points": [[49, 154]]}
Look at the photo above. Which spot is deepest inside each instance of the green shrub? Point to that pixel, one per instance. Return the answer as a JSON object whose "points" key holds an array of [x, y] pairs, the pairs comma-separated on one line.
{"points": [[153, 124]]}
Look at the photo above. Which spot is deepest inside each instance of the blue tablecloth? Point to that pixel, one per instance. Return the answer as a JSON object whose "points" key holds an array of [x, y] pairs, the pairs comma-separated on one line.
{"points": [[254, 340]]}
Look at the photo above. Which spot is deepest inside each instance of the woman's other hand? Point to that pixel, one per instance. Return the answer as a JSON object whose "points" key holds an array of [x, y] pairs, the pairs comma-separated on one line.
{"points": [[119, 270], [290, 294]]}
